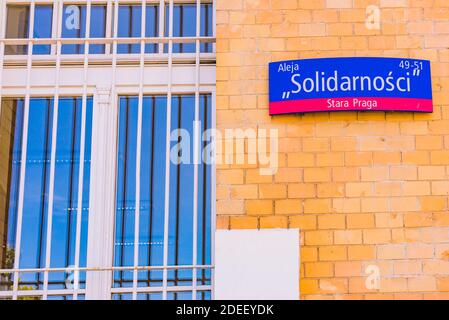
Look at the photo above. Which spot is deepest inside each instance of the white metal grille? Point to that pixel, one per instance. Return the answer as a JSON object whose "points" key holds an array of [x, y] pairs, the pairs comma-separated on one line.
{"points": [[105, 76]]}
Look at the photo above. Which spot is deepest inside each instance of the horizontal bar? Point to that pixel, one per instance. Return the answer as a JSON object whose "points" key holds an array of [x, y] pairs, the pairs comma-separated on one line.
{"points": [[151, 58], [50, 292], [160, 289], [136, 2], [139, 268], [119, 40]]}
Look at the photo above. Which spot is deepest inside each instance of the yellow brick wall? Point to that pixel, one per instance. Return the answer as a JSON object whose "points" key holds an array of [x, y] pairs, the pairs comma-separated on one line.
{"points": [[364, 188]]}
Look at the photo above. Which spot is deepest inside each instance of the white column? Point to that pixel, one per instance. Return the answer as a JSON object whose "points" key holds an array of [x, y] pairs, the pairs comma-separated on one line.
{"points": [[102, 196]]}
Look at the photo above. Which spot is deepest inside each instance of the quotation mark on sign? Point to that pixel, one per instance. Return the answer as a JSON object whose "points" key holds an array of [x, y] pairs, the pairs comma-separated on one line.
{"points": [[285, 94], [416, 72]]}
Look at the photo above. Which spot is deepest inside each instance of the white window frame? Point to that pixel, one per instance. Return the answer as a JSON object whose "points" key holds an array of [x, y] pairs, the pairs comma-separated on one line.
{"points": [[105, 93]]}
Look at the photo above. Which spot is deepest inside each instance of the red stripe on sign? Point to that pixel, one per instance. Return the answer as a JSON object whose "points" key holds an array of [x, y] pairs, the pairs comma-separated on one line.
{"points": [[351, 104]]}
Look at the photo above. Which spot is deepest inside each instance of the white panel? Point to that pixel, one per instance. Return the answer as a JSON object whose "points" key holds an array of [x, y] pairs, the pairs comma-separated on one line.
{"points": [[257, 264], [101, 75]]}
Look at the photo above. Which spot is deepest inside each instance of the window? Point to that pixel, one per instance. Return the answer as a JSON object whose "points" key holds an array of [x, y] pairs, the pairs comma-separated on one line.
{"points": [[17, 27], [43, 15], [74, 26], [91, 205], [184, 25], [129, 26], [27, 238], [151, 205]]}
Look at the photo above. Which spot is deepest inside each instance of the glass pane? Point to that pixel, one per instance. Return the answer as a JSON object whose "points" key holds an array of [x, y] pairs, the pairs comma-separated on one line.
{"points": [[151, 226], [151, 27], [206, 26], [126, 187], [17, 25], [154, 119], [184, 25], [36, 188], [180, 234], [35, 207], [97, 27], [67, 171], [11, 119], [152, 198], [73, 26], [43, 15], [204, 183], [187, 295], [129, 26], [149, 296]]}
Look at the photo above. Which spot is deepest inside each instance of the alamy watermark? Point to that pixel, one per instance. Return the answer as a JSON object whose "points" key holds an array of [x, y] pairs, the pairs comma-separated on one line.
{"points": [[250, 146]]}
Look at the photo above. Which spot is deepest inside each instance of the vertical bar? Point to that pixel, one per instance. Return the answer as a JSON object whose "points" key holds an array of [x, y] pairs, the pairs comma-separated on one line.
{"points": [[213, 195], [52, 167], [79, 209], [24, 153], [196, 147], [214, 24], [108, 26], [161, 24], [2, 44], [167, 150], [138, 151], [55, 25]]}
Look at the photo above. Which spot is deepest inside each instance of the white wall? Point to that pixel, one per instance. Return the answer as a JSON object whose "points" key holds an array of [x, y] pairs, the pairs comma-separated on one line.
{"points": [[257, 264]]}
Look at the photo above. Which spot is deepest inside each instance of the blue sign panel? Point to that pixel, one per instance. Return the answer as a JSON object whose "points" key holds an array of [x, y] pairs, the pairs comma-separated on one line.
{"points": [[350, 84]]}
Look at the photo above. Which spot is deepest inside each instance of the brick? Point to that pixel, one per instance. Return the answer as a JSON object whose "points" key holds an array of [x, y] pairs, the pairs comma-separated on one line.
{"points": [[301, 190], [374, 174], [359, 189], [360, 221], [386, 252], [348, 237], [348, 269], [222, 222], [440, 187], [376, 236], [333, 253], [272, 222], [309, 254], [389, 220], [403, 173], [273, 191], [346, 205], [243, 222], [361, 252], [234, 176], [330, 190], [317, 206], [259, 207], [303, 222], [345, 174], [300, 160], [288, 206], [244, 192], [420, 251], [416, 188], [331, 221], [319, 269], [319, 237], [438, 267], [421, 284], [308, 286], [433, 203]]}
